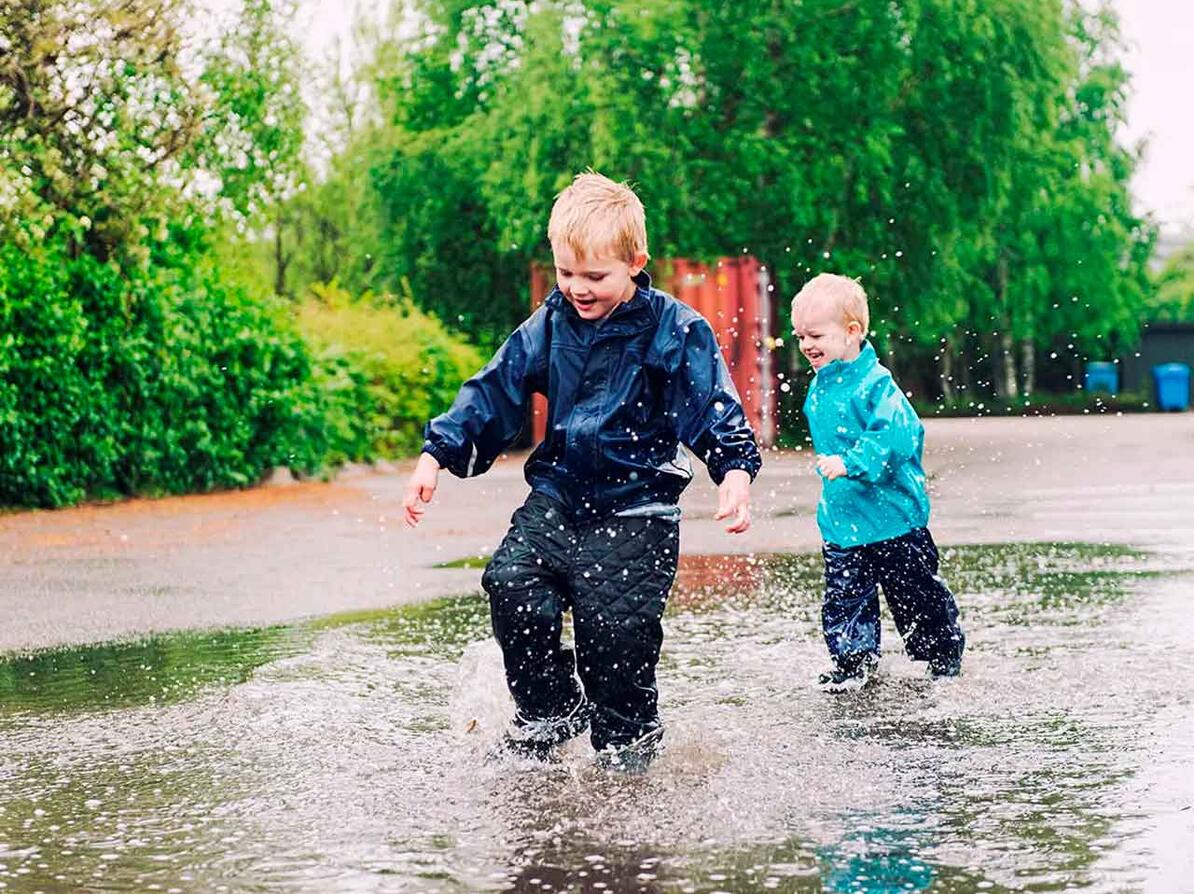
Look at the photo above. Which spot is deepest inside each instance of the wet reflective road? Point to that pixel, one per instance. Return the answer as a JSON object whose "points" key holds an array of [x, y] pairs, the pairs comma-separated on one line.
{"points": [[350, 755]]}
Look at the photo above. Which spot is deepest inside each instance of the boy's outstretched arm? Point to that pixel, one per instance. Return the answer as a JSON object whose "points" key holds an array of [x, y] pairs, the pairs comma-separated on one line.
{"points": [[711, 421], [486, 416]]}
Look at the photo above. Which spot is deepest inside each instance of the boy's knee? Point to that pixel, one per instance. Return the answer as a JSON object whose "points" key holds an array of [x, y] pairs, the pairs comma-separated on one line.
{"points": [[491, 577], [503, 573], [520, 597]]}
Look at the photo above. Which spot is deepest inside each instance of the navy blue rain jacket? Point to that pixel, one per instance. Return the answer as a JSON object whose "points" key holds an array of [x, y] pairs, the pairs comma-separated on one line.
{"points": [[622, 397]]}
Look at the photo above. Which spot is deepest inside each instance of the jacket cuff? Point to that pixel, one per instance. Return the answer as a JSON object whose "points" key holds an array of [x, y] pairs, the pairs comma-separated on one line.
{"points": [[745, 463], [854, 466], [440, 455]]}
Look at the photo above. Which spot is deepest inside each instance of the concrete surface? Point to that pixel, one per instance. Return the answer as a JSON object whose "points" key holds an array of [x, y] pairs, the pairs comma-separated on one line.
{"points": [[283, 552]]}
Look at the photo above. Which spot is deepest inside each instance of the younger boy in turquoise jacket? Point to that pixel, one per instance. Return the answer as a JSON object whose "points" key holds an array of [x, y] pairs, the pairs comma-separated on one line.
{"points": [[874, 511]]}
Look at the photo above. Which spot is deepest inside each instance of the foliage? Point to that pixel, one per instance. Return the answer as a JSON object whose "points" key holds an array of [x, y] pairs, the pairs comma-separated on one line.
{"points": [[1173, 301], [157, 380], [959, 157], [253, 135], [155, 200], [96, 120], [397, 365], [128, 363]]}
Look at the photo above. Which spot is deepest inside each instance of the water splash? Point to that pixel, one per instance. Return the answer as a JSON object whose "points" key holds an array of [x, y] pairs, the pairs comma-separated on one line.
{"points": [[354, 754]]}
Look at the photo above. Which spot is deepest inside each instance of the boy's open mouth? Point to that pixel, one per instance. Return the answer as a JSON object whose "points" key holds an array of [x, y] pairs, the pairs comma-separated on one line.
{"points": [[814, 357], [584, 303]]}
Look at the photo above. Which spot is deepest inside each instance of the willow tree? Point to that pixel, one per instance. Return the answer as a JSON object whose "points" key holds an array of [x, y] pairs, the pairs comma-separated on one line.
{"points": [[959, 157]]}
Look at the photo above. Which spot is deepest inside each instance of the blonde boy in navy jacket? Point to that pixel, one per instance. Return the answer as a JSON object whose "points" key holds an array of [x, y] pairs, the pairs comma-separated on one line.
{"points": [[630, 375]]}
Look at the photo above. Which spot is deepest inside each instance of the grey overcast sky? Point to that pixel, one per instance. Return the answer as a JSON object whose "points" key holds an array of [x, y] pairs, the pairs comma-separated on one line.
{"points": [[1160, 37]]}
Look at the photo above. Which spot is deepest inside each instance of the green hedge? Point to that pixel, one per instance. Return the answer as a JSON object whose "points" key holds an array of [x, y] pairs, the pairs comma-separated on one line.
{"points": [[152, 380], [165, 379], [393, 364]]}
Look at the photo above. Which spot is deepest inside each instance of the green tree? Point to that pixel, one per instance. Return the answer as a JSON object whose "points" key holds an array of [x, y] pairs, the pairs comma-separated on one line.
{"points": [[127, 362], [1173, 298], [253, 135], [96, 119], [958, 157]]}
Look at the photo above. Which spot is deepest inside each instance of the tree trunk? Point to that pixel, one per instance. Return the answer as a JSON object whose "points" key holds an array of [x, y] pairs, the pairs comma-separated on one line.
{"points": [[1007, 365], [948, 393], [1028, 366], [1006, 382], [965, 375], [280, 259]]}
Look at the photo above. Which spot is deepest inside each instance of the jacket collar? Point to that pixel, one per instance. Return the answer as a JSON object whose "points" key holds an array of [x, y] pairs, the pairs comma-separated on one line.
{"points": [[631, 315], [849, 370]]}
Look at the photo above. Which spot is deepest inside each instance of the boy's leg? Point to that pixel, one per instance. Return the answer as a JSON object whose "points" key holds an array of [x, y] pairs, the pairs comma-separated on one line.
{"points": [[527, 598], [850, 613], [620, 581], [922, 606]]}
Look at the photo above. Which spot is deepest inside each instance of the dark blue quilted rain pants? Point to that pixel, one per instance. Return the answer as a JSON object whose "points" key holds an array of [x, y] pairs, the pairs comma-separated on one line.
{"points": [[614, 575]]}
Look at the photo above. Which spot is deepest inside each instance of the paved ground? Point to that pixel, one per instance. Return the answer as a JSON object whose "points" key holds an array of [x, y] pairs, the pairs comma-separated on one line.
{"points": [[284, 552]]}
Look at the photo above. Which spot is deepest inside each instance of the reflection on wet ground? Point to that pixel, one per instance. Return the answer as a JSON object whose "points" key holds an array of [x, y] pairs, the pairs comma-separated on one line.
{"points": [[350, 754]]}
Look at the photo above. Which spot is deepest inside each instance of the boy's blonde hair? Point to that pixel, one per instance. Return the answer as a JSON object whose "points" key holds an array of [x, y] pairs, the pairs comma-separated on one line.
{"points": [[848, 294], [595, 215]]}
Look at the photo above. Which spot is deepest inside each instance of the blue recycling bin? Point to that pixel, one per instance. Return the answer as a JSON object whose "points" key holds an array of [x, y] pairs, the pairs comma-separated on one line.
{"points": [[1101, 376], [1173, 386]]}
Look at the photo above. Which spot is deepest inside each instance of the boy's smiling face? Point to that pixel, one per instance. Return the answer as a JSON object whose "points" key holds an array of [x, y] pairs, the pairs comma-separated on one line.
{"points": [[597, 284], [825, 334]]}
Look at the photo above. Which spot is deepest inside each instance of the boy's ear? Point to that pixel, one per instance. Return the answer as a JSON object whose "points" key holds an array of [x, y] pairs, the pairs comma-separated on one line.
{"points": [[855, 328], [639, 262]]}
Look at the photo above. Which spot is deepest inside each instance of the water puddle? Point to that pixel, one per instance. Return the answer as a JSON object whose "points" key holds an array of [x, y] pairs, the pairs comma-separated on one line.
{"points": [[350, 754]]}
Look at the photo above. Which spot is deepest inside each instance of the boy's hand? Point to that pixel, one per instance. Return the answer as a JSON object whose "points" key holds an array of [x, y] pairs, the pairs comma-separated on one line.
{"points": [[733, 500], [831, 467], [420, 489]]}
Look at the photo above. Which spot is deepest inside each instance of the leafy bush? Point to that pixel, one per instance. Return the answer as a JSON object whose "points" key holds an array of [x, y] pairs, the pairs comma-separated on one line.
{"points": [[129, 363], [1173, 298], [158, 379], [389, 366]]}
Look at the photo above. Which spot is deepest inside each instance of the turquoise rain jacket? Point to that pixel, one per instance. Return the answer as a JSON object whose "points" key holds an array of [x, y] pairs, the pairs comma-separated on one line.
{"points": [[856, 410]]}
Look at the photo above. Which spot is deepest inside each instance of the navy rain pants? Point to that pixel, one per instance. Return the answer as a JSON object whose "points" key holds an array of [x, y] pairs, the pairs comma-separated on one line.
{"points": [[922, 606], [614, 575]]}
